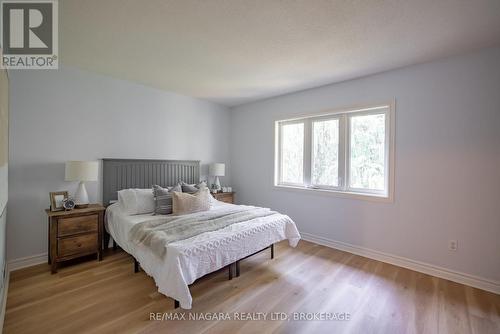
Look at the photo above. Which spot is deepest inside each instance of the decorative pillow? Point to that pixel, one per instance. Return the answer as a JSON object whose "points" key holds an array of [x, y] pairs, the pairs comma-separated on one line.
{"points": [[163, 199], [201, 185], [188, 203], [145, 201], [136, 201], [192, 188]]}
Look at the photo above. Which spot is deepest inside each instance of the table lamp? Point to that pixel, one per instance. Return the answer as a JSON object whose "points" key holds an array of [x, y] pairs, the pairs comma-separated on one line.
{"points": [[81, 171], [217, 169]]}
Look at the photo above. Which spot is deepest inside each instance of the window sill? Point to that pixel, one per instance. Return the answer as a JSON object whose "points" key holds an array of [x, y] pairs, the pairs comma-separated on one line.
{"points": [[335, 193]]}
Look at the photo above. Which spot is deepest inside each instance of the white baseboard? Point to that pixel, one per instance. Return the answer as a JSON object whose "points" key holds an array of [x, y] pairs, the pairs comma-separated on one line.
{"points": [[27, 261], [426, 268]]}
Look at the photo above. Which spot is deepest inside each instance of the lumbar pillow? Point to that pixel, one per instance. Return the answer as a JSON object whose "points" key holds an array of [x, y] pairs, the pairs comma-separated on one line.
{"points": [[187, 203], [192, 188], [163, 199], [136, 201]]}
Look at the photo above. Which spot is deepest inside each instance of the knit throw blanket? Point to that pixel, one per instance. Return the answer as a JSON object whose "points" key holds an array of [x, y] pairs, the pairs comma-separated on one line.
{"points": [[158, 233]]}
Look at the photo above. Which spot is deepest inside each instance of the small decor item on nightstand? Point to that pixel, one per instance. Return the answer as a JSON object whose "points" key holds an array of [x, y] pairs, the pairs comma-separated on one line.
{"points": [[68, 204], [56, 200]]}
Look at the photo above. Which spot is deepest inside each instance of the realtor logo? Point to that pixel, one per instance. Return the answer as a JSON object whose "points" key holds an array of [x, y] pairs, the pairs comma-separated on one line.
{"points": [[29, 34]]}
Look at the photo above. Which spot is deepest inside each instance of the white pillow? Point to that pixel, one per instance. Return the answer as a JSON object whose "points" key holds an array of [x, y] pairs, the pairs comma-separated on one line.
{"points": [[126, 199], [136, 201]]}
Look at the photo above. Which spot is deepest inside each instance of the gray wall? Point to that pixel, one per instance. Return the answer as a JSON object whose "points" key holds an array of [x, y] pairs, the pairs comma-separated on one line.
{"points": [[447, 163], [75, 115]]}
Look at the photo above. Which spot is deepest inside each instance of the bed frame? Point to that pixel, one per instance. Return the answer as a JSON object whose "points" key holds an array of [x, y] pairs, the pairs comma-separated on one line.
{"points": [[118, 174]]}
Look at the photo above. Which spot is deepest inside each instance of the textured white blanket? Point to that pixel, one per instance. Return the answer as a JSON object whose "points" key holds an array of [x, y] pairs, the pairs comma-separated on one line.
{"points": [[189, 259], [160, 232]]}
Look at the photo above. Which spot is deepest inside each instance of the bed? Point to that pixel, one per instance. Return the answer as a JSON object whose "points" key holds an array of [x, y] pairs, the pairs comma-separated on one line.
{"points": [[185, 260]]}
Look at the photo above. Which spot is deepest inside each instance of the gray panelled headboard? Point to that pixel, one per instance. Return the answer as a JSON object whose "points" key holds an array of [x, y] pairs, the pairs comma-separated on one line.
{"points": [[118, 174]]}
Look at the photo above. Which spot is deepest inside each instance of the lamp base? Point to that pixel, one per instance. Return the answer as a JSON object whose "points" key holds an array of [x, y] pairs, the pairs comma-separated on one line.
{"points": [[217, 183], [81, 196]]}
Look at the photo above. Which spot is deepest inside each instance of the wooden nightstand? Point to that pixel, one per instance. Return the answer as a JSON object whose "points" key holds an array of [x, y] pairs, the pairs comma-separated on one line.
{"points": [[224, 197], [75, 233]]}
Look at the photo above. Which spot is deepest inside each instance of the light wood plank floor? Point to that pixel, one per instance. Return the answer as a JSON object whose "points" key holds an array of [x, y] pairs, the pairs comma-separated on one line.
{"points": [[107, 297]]}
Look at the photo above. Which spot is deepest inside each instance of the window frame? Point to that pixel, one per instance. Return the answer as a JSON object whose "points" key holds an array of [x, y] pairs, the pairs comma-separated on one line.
{"points": [[344, 115], [280, 155], [348, 153], [341, 148]]}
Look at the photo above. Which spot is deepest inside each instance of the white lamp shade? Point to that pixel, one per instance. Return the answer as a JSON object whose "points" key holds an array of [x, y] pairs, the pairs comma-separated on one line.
{"points": [[81, 170], [217, 169]]}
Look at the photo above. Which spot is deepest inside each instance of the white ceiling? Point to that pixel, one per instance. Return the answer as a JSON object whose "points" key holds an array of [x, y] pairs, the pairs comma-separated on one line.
{"points": [[236, 51]]}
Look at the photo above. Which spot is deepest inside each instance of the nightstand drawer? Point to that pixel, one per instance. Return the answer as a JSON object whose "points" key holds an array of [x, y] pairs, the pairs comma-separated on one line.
{"points": [[76, 225], [79, 244], [226, 199]]}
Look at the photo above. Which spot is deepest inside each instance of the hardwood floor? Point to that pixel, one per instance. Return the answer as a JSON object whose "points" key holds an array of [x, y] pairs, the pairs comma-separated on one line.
{"points": [[107, 297]]}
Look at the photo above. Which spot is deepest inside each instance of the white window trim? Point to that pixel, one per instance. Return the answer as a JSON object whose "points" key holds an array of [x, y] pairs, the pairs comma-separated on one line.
{"points": [[343, 190], [280, 153], [341, 168]]}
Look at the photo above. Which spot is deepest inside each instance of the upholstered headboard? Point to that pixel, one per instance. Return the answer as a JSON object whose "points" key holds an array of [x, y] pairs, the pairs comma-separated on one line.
{"points": [[118, 174]]}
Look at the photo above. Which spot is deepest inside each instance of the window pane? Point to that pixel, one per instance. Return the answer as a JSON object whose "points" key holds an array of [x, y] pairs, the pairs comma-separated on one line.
{"points": [[292, 150], [367, 160], [325, 164]]}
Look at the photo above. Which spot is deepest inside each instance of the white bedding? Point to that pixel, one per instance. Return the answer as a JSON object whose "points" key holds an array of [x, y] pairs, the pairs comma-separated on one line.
{"points": [[189, 259]]}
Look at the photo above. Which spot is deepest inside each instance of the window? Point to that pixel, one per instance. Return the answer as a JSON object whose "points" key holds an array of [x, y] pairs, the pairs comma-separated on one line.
{"points": [[325, 153], [342, 152], [367, 152], [292, 153]]}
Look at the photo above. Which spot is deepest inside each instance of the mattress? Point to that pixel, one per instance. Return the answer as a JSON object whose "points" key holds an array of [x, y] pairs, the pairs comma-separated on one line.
{"points": [[189, 259]]}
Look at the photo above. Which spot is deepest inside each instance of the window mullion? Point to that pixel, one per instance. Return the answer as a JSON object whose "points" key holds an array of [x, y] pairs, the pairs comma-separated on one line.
{"points": [[280, 158], [344, 151], [387, 153], [307, 151]]}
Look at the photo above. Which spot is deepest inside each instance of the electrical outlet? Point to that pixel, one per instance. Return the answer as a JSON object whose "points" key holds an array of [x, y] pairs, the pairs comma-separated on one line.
{"points": [[453, 245]]}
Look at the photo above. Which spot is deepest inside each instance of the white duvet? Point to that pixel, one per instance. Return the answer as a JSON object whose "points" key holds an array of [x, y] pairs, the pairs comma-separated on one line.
{"points": [[192, 258]]}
